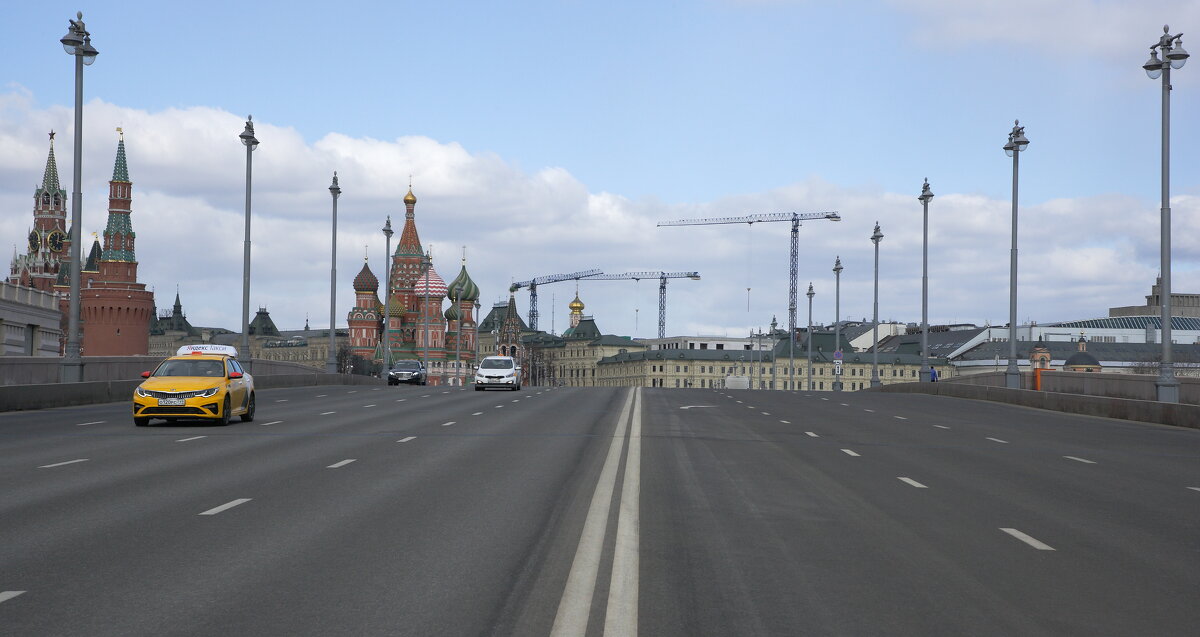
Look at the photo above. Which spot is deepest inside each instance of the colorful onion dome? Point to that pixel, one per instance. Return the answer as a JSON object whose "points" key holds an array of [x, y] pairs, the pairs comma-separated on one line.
{"points": [[431, 285], [462, 288], [394, 308], [366, 280], [452, 313]]}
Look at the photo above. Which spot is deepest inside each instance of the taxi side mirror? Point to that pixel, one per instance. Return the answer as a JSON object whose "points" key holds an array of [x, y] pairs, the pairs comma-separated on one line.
{"points": [[235, 374], [145, 374]]}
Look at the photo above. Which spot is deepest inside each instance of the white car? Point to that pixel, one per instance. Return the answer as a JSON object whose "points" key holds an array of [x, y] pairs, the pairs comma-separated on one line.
{"points": [[498, 371]]}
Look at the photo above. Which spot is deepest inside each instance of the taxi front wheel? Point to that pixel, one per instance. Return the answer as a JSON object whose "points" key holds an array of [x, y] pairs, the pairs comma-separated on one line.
{"points": [[141, 422], [224, 412]]}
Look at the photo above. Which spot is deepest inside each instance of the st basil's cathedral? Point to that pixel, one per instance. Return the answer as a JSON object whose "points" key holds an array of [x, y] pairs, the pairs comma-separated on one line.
{"points": [[417, 327]]}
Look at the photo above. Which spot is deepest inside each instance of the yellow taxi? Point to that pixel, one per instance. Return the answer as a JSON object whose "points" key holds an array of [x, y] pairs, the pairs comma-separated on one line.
{"points": [[200, 381]]}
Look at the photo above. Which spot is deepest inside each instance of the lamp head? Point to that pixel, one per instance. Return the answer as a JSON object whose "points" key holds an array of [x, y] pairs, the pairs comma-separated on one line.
{"points": [[810, 292], [74, 37], [837, 265], [1153, 66], [1018, 139], [247, 136], [1177, 55], [387, 228], [334, 189], [88, 51], [926, 193], [877, 236]]}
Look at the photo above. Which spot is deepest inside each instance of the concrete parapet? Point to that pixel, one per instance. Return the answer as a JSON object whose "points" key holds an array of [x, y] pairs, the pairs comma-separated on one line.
{"points": [[1176, 414]]}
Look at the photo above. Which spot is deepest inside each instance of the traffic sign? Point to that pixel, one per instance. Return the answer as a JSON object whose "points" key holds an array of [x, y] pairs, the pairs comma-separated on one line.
{"points": [[837, 368], [837, 355]]}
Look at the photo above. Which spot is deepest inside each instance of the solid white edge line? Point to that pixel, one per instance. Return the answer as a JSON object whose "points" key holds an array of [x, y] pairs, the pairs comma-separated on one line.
{"points": [[341, 464], [192, 438], [911, 482], [59, 464], [227, 505], [849, 452], [407, 439], [576, 603], [998, 440], [7, 595], [621, 617], [1083, 460], [1041, 546]]}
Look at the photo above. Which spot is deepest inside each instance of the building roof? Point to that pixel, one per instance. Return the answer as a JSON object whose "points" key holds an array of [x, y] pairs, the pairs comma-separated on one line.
{"points": [[120, 168], [585, 330], [262, 325], [1063, 350], [1081, 359], [1131, 322], [941, 343], [366, 281], [50, 177]]}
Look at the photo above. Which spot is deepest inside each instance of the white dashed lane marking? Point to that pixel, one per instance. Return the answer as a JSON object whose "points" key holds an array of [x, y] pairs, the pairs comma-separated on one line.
{"points": [[1083, 460], [478, 413], [94, 422], [326, 413], [1041, 546], [366, 406], [400, 400], [447, 424], [226, 506], [785, 422], [765, 414], [407, 439], [900, 417], [870, 410], [343, 463], [322, 395], [59, 464], [813, 435], [426, 396], [849, 453], [998, 440], [7, 595], [941, 426], [192, 438], [273, 422], [282, 400], [1194, 488], [911, 482]]}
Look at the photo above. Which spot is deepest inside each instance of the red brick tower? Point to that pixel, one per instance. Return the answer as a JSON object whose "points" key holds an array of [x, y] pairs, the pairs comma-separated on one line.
{"points": [[114, 308], [48, 240], [364, 317]]}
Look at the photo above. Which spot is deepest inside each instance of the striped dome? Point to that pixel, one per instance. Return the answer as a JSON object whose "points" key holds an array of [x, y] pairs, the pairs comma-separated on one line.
{"points": [[452, 313], [366, 281], [462, 288], [436, 286]]}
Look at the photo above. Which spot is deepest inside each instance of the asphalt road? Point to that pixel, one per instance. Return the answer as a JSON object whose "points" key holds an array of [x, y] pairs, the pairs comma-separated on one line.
{"points": [[427, 511]]}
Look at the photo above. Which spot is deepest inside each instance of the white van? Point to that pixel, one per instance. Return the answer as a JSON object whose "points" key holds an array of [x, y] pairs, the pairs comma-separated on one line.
{"points": [[498, 371]]}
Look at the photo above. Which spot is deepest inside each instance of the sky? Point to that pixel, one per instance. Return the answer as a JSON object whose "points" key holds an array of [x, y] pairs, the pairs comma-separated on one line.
{"points": [[552, 136]]}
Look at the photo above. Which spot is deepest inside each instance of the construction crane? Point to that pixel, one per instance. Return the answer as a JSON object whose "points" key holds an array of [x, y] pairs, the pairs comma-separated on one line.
{"points": [[533, 284], [795, 218], [662, 288]]}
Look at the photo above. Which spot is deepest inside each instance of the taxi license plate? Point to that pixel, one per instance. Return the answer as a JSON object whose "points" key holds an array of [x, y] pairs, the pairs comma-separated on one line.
{"points": [[168, 402]]}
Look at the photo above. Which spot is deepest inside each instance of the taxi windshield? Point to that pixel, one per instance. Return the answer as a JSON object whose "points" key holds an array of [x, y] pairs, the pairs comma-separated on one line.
{"points": [[496, 363], [178, 367]]}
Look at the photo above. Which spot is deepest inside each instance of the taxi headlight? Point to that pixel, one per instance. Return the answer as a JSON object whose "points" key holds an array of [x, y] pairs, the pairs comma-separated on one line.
{"points": [[212, 391], [141, 392]]}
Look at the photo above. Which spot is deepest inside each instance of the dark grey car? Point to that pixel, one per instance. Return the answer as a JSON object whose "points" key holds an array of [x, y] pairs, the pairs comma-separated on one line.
{"points": [[411, 372]]}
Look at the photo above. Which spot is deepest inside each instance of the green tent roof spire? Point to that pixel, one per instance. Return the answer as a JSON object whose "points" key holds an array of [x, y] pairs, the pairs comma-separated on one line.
{"points": [[120, 169]]}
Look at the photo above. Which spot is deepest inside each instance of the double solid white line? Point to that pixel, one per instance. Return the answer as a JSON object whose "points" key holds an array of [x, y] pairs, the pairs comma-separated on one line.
{"points": [[621, 614]]}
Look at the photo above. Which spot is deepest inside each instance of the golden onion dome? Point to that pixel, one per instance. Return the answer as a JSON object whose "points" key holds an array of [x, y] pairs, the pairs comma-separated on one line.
{"points": [[576, 305], [410, 198]]}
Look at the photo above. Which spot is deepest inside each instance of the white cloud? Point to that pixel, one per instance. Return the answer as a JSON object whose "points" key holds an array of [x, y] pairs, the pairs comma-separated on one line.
{"points": [[1078, 256]]}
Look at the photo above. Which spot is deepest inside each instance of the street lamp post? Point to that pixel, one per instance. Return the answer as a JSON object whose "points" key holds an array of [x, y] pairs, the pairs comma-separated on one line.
{"points": [[387, 296], [809, 338], [77, 42], [926, 195], [876, 238], [837, 323], [1015, 146], [427, 264], [1173, 57], [250, 142], [331, 361]]}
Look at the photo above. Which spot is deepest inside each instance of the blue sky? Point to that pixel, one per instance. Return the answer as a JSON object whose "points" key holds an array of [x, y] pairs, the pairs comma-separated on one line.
{"points": [[550, 136]]}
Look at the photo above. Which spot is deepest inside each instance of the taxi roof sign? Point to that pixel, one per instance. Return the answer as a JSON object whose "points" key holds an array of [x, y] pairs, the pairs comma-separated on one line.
{"points": [[219, 350]]}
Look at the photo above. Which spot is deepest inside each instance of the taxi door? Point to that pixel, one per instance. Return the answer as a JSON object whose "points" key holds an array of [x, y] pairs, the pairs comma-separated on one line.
{"points": [[237, 386]]}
